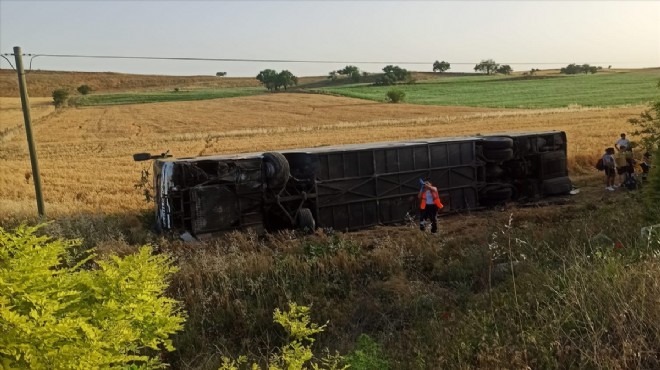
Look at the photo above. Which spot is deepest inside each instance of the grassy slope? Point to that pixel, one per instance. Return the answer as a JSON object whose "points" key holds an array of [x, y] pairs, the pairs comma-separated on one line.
{"points": [[601, 89], [165, 96], [576, 299]]}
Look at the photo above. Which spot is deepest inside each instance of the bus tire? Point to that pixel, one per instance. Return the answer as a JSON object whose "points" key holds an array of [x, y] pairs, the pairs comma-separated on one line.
{"points": [[277, 170]]}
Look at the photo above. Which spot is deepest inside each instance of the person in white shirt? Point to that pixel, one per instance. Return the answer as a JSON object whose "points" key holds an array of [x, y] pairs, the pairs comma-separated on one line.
{"points": [[622, 142]]}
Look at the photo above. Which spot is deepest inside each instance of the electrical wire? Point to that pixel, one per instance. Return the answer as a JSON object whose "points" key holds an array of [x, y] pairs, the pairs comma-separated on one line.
{"points": [[35, 55], [257, 60], [8, 61]]}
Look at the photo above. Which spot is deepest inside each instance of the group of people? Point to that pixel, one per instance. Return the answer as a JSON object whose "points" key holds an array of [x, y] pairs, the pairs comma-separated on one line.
{"points": [[619, 160]]}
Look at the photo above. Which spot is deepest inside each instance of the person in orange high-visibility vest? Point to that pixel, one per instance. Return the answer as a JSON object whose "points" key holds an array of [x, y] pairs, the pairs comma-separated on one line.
{"points": [[429, 204]]}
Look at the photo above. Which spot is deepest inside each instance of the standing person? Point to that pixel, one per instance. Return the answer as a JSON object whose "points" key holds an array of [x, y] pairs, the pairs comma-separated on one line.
{"points": [[622, 142], [622, 160], [429, 204], [610, 168], [646, 166]]}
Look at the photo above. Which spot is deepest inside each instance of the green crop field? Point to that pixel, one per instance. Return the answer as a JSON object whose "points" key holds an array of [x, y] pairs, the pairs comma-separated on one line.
{"points": [[165, 96], [601, 89]]}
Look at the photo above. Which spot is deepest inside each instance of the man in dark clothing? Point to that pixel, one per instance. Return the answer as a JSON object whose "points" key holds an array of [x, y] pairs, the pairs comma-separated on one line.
{"points": [[646, 166]]}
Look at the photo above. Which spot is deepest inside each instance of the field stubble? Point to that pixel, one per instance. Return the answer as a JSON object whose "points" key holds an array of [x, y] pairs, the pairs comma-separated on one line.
{"points": [[85, 153]]}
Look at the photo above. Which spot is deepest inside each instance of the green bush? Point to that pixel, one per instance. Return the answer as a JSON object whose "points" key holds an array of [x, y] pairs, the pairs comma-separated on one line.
{"points": [[84, 89], [395, 96], [367, 355], [298, 352], [652, 189], [60, 97], [56, 313]]}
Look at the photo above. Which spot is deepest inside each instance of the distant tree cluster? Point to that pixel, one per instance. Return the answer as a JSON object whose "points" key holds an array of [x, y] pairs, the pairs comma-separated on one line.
{"points": [[274, 81], [490, 66], [573, 69], [392, 75], [351, 72], [221, 74], [441, 66], [504, 69]]}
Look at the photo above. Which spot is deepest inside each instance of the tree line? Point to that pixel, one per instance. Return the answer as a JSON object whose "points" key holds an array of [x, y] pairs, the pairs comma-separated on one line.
{"points": [[393, 75]]}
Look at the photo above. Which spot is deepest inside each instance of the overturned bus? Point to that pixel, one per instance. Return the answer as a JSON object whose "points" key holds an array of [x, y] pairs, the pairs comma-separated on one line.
{"points": [[351, 187]]}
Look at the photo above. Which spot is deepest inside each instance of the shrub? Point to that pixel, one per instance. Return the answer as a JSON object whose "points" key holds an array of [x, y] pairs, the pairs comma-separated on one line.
{"points": [[84, 89], [395, 96], [298, 352], [367, 355], [60, 97], [61, 314]]}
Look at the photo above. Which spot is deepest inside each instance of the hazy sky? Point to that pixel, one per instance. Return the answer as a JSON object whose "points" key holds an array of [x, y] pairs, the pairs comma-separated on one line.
{"points": [[524, 34]]}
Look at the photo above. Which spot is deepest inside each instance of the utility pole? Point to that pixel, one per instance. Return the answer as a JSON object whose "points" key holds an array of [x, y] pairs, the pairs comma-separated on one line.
{"points": [[28, 130]]}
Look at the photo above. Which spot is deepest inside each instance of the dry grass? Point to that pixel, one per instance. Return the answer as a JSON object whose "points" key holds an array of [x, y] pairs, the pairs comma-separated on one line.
{"points": [[85, 154], [42, 83], [11, 113]]}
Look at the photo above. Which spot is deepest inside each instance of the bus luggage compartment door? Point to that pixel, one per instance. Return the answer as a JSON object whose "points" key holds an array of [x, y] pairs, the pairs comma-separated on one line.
{"points": [[218, 207]]}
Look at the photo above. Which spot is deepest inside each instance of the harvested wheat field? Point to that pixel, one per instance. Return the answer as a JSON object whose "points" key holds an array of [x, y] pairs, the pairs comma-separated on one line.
{"points": [[85, 153]]}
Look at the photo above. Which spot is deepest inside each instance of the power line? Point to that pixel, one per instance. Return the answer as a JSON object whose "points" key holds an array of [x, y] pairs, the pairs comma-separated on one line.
{"points": [[35, 55]]}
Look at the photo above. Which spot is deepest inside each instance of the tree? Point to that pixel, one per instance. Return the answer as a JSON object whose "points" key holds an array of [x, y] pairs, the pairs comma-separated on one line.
{"points": [[268, 78], [59, 313], [392, 75], [648, 127], [332, 76], [285, 79], [400, 74], [440, 66], [351, 71], [489, 66], [573, 69], [504, 69], [84, 89], [60, 97], [221, 74], [274, 81]]}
